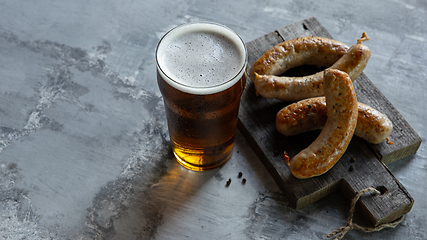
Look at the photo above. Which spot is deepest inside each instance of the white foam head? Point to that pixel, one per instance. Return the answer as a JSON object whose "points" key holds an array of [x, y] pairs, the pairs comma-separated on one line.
{"points": [[201, 58]]}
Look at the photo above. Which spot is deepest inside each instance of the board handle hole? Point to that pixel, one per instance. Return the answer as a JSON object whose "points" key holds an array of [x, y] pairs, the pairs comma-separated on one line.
{"points": [[383, 190]]}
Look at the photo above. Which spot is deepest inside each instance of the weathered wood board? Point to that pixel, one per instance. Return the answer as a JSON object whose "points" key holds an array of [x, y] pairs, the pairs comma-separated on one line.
{"points": [[359, 168]]}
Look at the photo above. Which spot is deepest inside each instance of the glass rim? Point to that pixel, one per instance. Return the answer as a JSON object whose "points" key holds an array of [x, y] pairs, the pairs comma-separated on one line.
{"points": [[203, 90]]}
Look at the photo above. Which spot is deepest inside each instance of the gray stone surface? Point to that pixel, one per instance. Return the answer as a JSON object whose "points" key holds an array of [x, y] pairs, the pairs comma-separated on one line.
{"points": [[84, 148]]}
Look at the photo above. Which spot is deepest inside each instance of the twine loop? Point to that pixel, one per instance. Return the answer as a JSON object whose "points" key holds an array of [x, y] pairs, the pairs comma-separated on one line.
{"points": [[341, 231]]}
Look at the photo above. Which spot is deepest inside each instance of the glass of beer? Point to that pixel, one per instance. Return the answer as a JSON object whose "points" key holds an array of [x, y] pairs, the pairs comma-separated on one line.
{"points": [[201, 73]]}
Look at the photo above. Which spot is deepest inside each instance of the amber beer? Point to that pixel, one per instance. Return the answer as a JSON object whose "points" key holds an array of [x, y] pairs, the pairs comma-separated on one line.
{"points": [[201, 73]]}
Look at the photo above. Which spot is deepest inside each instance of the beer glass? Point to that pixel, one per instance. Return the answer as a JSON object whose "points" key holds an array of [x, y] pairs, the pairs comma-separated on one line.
{"points": [[201, 73]]}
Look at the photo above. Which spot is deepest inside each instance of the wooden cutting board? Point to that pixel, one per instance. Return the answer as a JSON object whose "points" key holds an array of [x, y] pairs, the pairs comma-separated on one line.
{"points": [[363, 164]]}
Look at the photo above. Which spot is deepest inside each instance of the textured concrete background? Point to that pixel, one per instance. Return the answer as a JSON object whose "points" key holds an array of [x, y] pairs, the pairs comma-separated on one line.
{"points": [[84, 148]]}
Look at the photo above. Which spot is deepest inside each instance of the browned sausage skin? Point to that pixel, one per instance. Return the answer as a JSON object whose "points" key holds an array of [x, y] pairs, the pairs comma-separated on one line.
{"points": [[372, 125], [333, 140], [296, 52], [266, 69], [310, 114]]}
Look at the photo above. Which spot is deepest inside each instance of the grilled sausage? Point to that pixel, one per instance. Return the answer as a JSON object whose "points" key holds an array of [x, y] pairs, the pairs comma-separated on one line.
{"points": [[302, 51], [310, 114], [333, 140]]}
